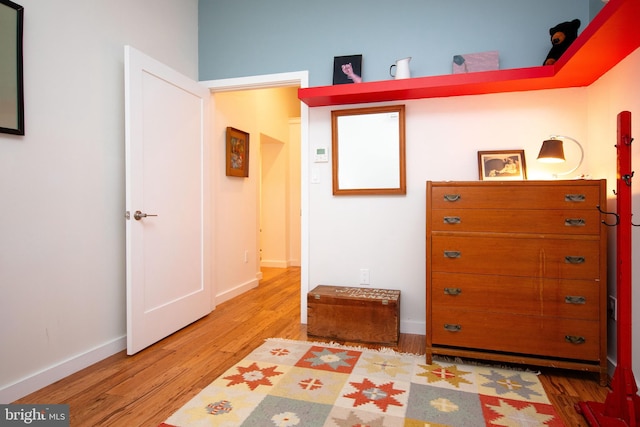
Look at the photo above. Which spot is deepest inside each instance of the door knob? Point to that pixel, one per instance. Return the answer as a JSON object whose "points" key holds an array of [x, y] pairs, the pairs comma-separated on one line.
{"points": [[139, 215]]}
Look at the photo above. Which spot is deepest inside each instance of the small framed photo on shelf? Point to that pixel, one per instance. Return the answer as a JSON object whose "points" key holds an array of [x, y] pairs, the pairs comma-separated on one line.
{"points": [[502, 165], [237, 152], [347, 69]]}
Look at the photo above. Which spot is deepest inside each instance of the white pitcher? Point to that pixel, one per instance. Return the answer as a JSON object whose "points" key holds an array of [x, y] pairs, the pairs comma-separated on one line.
{"points": [[402, 69]]}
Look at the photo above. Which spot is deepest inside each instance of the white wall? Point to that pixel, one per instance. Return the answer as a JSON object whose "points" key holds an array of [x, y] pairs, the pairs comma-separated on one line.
{"points": [[274, 233], [295, 193], [62, 261], [280, 190], [618, 90], [386, 234], [235, 199]]}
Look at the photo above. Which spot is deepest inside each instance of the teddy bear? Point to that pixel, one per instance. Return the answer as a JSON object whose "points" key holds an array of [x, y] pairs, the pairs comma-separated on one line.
{"points": [[562, 35]]}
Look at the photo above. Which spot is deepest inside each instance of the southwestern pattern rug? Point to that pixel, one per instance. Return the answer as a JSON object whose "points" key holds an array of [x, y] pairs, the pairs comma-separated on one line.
{"points": [[286, 383]]}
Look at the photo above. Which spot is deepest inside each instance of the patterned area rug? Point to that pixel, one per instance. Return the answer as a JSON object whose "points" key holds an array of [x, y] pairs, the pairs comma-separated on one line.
{"points": [[287, 383]]}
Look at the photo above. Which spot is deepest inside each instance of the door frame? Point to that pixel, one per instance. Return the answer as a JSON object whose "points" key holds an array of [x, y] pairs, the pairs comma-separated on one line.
{"points": [[295, 78]]}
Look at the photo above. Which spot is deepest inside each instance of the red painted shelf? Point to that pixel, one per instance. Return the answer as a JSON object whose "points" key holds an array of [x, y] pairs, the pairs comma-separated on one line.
{"points": [[608, 39]]}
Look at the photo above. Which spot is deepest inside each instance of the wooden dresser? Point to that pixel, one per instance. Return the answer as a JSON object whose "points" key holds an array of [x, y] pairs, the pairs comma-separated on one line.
{"points": [[516, 272]]}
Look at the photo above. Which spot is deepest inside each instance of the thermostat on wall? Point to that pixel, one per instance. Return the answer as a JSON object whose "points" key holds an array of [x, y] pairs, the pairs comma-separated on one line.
{"points": [[321, 155]]}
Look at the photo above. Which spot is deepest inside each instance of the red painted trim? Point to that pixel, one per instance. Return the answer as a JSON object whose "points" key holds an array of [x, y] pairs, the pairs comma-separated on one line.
{"points": [[608, 39]]}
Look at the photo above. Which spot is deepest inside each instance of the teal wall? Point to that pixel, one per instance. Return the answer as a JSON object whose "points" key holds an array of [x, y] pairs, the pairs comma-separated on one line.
{"points": [[595, 6], [239, 38]]}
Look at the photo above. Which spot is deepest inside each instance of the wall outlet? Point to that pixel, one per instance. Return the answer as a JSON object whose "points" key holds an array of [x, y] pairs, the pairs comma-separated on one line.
{"points": [[612, 308], [246, 256], [364, 276]]}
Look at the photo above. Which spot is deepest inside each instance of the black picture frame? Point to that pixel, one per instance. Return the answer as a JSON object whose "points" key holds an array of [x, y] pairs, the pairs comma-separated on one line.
{"points": [[339, 77], [11, 72]]}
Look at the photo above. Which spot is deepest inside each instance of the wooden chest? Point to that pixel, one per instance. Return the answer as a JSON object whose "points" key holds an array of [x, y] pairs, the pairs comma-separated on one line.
{"points": [[354, 314], [516, 272]]}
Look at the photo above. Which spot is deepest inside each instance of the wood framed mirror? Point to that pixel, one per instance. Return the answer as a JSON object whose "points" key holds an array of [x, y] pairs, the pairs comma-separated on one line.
{"points": [[368, 151], [11, 79]]}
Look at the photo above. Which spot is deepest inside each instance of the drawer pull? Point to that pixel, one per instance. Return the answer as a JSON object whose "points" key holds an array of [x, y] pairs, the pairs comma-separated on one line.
{"points": [[574, 259], [575, 339], [575, 222], [452, 327], [452, 254], [451, 197], [571, 299], [452, 291], [574, 198], [451, 220]]}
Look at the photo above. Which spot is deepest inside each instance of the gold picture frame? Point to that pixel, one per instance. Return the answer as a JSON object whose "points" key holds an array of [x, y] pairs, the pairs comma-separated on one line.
{"points": [[502, 165], [237, 153]]}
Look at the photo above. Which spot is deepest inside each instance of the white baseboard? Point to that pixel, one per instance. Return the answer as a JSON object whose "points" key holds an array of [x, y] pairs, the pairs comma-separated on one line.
{"points": [[413, 327], [234, 292], [54, 373], [279, 263], [274, 263]]}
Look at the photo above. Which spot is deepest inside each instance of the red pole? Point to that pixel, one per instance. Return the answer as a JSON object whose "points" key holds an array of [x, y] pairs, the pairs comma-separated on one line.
{"points": [[622, 406], [623, 239]]}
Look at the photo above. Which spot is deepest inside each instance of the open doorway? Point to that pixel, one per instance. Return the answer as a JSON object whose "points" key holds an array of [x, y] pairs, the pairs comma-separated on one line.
{"points": [[279, 238], [300, 211]]}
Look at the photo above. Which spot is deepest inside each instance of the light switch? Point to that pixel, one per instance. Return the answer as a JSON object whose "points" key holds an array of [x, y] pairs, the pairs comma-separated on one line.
{"points": [[315, 175]]}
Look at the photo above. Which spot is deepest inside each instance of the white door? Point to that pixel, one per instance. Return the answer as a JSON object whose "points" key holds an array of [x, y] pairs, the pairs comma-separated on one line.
{"points": [[167, 178]]}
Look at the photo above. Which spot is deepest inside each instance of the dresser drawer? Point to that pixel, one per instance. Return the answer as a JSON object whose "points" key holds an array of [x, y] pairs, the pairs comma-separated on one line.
{"points": [[508, 256], [535, 221], [571, 299], [529, 195], [563, 338]]}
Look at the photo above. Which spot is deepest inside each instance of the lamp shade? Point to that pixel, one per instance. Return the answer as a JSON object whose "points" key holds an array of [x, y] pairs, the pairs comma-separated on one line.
{"points": [[551, 151]]}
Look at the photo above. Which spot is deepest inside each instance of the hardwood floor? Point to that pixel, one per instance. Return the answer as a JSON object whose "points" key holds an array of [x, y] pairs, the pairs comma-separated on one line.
{"points": [[145, 389]]}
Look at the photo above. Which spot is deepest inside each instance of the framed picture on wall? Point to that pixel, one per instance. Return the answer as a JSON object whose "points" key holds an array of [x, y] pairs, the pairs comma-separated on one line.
{"points": [[347, 69], [237, 152], [11, 73], [502, 165]]}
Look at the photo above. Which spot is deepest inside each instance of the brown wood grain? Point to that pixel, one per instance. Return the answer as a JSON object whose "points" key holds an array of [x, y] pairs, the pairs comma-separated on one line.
{"points": [[356, 314], [517, 270]]}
